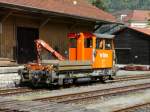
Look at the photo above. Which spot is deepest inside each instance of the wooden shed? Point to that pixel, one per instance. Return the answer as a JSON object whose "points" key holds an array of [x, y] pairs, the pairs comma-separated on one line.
{"points": [[23, 21], [133, 46]]}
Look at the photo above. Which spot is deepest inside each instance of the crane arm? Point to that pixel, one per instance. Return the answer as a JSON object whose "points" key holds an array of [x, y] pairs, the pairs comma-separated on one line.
{"points": [[40, 43]]}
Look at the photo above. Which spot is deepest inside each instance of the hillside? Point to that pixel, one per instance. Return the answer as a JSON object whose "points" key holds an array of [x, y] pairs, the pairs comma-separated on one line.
{"points": [[115, 5]]}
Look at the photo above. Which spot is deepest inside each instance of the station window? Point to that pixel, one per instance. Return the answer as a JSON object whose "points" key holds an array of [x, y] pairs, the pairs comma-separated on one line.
{"points": [[99, 43], [88, 43], [73, 43], [108, 44]]}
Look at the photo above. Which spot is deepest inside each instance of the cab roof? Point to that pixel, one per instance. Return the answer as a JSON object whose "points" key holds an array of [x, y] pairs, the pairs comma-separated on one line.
{"points": [[89, 35], [107, 36]]}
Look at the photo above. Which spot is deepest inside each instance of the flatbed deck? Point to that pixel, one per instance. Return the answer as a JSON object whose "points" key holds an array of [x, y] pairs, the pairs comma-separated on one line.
{"points": [[69, 65]]}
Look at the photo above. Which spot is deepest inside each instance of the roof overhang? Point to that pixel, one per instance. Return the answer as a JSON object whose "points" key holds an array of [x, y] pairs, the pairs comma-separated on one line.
{"points": [[142, 30], [106, 36], [145, 31], [42, 11]]}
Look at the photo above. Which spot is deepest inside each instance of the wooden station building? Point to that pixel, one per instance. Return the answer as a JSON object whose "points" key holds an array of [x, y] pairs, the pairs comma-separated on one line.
{"points": [[23, 21], [133, 46]]}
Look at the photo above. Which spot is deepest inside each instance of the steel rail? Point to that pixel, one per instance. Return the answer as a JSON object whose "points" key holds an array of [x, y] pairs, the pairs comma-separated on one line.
{"points": [[84, 96], [127, 78], [15, 91], [127, 109]]}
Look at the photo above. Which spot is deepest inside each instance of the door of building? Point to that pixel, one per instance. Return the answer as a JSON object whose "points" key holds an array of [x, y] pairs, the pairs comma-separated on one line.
{"points": [[26, 51]]}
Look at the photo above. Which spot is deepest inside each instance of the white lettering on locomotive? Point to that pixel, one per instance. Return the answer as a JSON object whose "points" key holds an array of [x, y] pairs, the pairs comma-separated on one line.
{"points": [[103, 55]]}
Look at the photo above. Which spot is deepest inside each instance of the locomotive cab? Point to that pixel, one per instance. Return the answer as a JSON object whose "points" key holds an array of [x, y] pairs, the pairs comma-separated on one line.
{"points": [[81, 46], [96, 48], [104, 53]]}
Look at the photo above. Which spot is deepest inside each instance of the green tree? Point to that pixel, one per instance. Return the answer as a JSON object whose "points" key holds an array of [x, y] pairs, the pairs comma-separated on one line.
{"points": [[98, 3], [116, 5]]}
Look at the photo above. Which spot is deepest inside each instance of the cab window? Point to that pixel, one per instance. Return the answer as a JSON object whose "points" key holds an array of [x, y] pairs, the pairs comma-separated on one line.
{"points": [[99, 43], [88, 43], [108, 44], [73, 43]]}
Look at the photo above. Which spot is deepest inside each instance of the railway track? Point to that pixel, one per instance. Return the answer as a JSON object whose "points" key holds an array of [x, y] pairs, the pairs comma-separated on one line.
{"points": [[90, 95], [133, 108], [20, 90], [127, 78], [15, 91]]}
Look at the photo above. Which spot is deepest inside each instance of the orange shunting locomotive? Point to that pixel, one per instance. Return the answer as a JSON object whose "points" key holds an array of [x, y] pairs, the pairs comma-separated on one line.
{"points": [[91, 58]]}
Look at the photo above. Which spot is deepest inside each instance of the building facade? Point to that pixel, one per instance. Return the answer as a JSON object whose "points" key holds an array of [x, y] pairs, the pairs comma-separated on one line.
{"points": [[132, 46], [138, 18], [24, 21]]}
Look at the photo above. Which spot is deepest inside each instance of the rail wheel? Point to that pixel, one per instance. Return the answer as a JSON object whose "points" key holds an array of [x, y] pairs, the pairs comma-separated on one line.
{"points": [[35, 82], [20, 81], [104, 78]]}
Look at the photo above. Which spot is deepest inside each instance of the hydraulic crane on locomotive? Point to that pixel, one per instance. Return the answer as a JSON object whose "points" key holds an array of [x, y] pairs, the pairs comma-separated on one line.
{"points": [[91, 57]]}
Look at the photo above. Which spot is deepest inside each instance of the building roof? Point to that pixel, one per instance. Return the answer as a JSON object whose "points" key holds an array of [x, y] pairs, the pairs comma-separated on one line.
{"points": [[106, 36], [142, 30], [120, 12], [73, 8], [138, 15]]}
